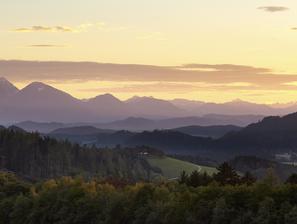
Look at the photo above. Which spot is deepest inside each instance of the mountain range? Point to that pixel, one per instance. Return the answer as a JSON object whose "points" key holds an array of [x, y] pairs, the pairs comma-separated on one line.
{"points": [[43, 103], [266, 138], [138, 124]]}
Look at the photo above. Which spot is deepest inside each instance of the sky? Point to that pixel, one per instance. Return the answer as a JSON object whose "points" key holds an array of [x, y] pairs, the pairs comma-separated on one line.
{"points": [[210, 50]]}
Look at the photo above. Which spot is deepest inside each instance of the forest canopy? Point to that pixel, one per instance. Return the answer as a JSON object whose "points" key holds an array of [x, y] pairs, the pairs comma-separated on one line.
{"points": [[75, 201]]}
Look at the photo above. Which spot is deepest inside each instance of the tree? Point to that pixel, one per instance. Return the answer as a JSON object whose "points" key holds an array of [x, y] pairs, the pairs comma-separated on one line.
{"points": [[248, 179], [266, 212], [226, 175], [183, 179], [291, 217], [195, 179], [271, 178], [292, 179], [221, 212]]}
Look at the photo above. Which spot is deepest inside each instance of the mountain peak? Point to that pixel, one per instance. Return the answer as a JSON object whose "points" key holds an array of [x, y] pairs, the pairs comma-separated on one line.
{"points": [[40, 91], [105, 98], [38, 84], [239, 101], [38, 87], [7, 88], [2, 79]]}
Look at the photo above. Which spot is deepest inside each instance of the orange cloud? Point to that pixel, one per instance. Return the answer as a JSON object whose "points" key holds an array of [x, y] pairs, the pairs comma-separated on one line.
{"points": [[211, 76]]}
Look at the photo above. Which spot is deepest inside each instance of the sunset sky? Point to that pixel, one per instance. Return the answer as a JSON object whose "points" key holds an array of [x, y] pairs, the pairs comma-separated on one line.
{"points": [[210, 50]]}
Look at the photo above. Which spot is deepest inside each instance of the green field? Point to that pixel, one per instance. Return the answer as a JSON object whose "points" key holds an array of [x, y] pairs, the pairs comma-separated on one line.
{"points": [[172, 168]]}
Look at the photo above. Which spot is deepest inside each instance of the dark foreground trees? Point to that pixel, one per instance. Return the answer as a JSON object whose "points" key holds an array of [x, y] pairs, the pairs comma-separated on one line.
{"points": [[75, 201], [226, 175], [36, 157]]}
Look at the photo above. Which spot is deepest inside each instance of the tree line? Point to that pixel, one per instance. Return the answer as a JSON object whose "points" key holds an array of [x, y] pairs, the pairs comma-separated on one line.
{"points": [[217, 200], [36, 157]]}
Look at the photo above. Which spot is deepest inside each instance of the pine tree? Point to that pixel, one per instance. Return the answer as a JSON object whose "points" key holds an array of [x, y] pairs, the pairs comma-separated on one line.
{"points": [[226, 175], [292, 179], [183, 179], [248, 179], [195, 179]]}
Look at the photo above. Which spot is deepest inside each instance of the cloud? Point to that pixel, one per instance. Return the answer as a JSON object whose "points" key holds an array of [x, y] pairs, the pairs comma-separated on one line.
{"points": [[145, 87], [45, 29], [273, 8], [222, 67], [64, 29], [80, 28], [165, 87], [45, 45], [211, 76]]}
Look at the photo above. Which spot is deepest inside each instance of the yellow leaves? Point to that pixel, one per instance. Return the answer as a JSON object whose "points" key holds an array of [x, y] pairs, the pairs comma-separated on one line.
{"points": [[50, 184]]}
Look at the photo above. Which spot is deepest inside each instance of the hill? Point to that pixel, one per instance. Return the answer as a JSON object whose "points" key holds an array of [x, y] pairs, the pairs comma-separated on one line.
{"points": [[271, 135], [258, 167], [168, 141], [144, 124], [171, 168], [268, 137], [208, 131], [41, 127], [83, 135], [36, 157], [80, 130]]}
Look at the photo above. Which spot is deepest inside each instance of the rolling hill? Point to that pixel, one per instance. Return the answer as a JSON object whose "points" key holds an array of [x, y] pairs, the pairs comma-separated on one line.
{"points": [[208, 131], [80, 130], [41, 127], [35, 157], [266, 138], [259, 166], [272, 133], [144, 124], [171, 168]]}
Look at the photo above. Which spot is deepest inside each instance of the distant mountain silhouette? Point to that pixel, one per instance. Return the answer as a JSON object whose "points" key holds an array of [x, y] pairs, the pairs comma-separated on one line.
{"points": [[266, 138], [151, 107], [6, 88], [208, 131], [107, 106], [40, 95], [43, 103], [40, 102], [81, 130], [236, 107], [32, 126], [141, 124]]}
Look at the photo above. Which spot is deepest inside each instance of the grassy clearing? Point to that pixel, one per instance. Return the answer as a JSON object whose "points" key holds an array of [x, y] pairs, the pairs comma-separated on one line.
{"points": [[172, 168]]}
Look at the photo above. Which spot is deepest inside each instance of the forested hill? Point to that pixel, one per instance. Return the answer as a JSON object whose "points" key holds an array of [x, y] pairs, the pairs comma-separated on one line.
{"points": [[271, 133], [36, 157]]}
